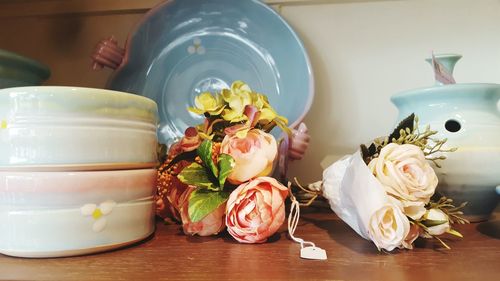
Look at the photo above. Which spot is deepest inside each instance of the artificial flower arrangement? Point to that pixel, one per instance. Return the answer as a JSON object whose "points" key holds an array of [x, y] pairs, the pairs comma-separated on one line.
{"points": [[217, 175], [385, 190]]}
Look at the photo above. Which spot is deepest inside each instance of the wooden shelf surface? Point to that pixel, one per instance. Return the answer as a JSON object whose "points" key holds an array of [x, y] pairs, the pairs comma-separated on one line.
{"points": [[170, 255]]}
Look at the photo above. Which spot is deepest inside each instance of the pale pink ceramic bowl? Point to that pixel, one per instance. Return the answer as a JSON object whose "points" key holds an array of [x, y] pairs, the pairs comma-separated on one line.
{"points": [[53, 214]]}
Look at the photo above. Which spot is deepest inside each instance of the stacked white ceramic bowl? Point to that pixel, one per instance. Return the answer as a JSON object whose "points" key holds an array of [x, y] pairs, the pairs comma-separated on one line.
{"points": [[77, 170]]}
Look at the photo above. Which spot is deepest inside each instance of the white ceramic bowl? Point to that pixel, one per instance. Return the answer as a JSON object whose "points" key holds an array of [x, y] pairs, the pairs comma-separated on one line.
{"points": [[55, 214], [76, 128]]}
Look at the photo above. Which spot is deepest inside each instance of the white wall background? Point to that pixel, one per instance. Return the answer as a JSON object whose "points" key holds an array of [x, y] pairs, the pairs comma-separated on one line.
{"points": [[362, 51]]}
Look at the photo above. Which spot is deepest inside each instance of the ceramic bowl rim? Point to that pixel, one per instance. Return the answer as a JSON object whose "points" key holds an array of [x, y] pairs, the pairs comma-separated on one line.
{"points": [[76, 173], [151, 104], [22, 62], [426, 91]]}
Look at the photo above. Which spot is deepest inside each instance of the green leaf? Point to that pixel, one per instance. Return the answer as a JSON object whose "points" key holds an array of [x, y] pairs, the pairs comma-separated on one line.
{"points": [[365, 153], [408, 122], [205, 153], [283, 126], [190, 156], [455, 233], [195, 174], [372, 149], [430, 223], [202, 202], [226, 165], [162, 152]]}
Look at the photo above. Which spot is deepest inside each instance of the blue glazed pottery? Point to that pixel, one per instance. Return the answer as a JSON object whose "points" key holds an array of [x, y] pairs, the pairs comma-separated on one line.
{"points": [[16, 71], [468, 116], [183, 48]]}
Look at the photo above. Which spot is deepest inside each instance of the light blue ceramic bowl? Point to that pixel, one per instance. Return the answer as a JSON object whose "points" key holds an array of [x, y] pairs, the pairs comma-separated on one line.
{"points": [[16, 71], [183, 48], [468, 116]]}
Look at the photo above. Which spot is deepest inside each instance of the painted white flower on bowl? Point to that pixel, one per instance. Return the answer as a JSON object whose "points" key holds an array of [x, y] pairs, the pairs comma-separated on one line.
{"points": [[98, 213], [196, 48]]}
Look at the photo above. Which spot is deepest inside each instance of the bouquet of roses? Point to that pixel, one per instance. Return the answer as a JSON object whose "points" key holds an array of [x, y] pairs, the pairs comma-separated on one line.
{"points": [[216, 176], [384, 191]]}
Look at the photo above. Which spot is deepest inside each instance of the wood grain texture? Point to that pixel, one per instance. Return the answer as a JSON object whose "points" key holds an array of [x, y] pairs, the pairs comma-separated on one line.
{"points": [[170, 255], [37, 8]]}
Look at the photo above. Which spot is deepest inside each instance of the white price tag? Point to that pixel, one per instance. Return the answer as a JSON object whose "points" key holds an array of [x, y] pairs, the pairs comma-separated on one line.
{"points": [[313, 253]]}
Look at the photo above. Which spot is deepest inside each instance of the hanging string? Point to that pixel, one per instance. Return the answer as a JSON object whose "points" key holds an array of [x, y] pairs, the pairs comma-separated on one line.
{"points": [[293, 220], [310, 251], [306, 252]]}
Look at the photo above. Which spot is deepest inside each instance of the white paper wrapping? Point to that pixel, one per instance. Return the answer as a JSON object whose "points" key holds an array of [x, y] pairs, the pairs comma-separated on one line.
{"points": [[353, 192]]}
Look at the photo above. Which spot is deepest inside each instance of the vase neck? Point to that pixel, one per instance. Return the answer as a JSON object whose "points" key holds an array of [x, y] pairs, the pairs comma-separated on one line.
{"points": [[448, 61]]}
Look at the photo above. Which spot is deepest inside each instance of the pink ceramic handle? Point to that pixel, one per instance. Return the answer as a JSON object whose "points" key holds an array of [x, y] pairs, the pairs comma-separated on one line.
{"points": [[299, 142], [107, 53]]}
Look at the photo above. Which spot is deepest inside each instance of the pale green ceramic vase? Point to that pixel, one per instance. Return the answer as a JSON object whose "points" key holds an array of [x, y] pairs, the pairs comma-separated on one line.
{"points": [[468, 116]]}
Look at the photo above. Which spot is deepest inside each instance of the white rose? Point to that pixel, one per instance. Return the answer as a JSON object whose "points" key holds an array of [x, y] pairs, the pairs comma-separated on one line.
{"points": [[414, 210], [405, 174], [388, 227], [437, 215]]}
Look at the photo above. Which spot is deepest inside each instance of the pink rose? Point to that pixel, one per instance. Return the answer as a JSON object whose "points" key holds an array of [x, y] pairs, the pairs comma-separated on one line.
{"points": [[191, 140], [171, 191], [414, 233], [212, 224], [254, 155], [255, 210]]}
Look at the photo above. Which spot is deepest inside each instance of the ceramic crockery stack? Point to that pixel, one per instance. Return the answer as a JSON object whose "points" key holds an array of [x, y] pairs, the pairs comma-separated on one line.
{"points": [[77, 170], [468, 116]]}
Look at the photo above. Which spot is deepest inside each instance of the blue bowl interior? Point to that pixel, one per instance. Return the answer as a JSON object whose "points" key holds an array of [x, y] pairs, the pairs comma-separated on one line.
{"points": [[187, 47]]}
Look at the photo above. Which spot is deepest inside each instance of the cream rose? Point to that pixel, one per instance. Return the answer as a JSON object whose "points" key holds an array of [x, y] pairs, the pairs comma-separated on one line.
{"points": [[254, 155], [388, 227], [437, 215], [256, 210], [405, 174]]}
